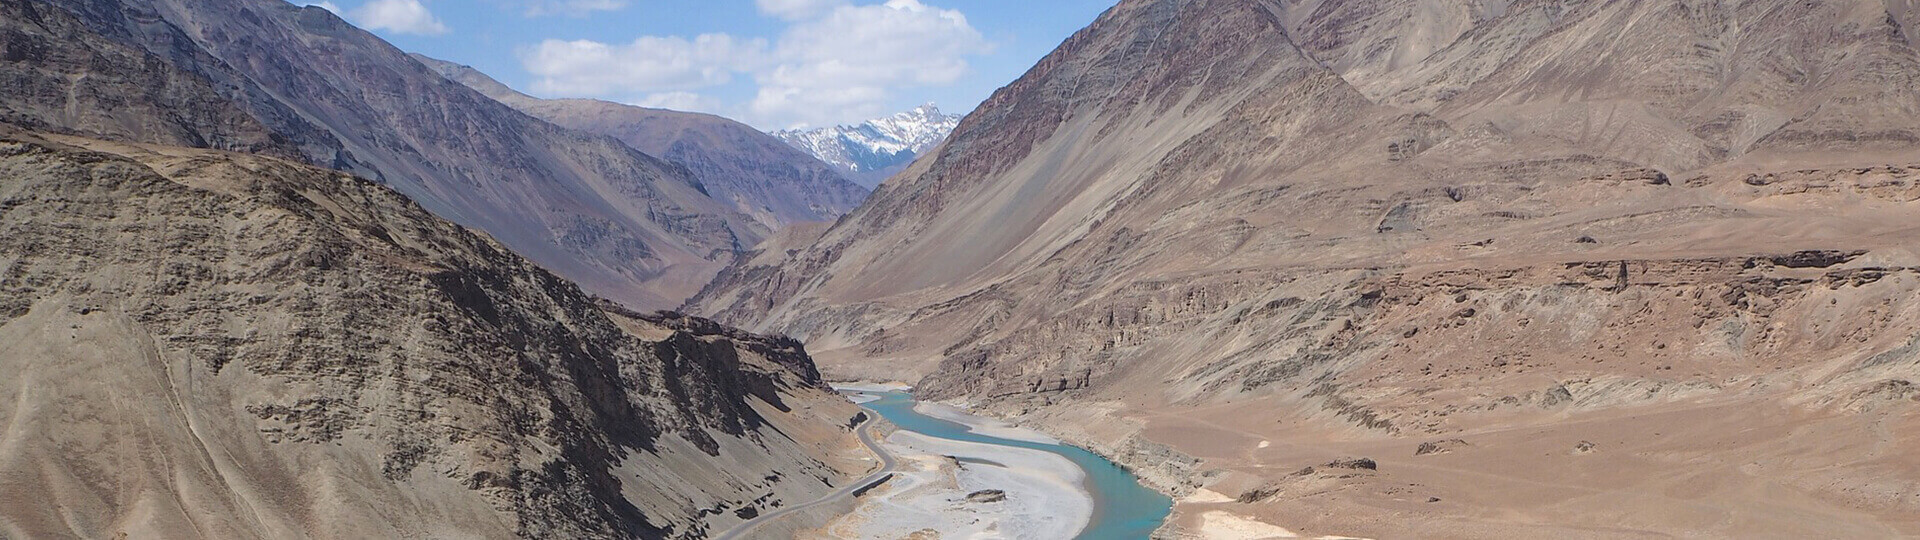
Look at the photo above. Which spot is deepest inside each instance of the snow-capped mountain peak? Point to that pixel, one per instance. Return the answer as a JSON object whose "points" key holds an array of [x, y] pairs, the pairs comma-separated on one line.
{"points": [[872, 150]]}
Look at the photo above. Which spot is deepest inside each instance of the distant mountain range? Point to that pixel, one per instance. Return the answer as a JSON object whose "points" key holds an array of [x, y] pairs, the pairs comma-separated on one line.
{"points": [[870, 152], [754, 173]]}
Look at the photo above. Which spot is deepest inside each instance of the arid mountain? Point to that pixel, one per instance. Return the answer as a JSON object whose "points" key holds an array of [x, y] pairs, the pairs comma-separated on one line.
{"points": [[203, 344], [1650, 263], [875, 150], [758, 175], [622, 224], [60, 75]]}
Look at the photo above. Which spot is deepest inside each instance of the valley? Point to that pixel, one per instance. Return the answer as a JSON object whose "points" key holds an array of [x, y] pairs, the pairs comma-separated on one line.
{"points": [[1634, 271], [1207, 269]]}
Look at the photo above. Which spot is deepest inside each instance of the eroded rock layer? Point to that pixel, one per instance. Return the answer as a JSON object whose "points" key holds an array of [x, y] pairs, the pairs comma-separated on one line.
{"points": [[205, 344]]}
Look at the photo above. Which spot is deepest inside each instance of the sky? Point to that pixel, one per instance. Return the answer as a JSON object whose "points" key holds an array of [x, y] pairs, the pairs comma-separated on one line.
{"points": [[774, 64]]}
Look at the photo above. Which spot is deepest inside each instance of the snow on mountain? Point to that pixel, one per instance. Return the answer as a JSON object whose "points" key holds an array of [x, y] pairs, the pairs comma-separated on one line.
{"points": [[870, 152]]}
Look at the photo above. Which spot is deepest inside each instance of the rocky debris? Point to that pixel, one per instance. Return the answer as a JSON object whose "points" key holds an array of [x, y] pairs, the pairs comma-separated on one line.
{"points": [[1651, 177], [1401, 218], [1262, 493], [1353, 464], [1558, 394], [1584, 447], [1813, 258], [987, 496], [1440, 447], [1883, 393]]}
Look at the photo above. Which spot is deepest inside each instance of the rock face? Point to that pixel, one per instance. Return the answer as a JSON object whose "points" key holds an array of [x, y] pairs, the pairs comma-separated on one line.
{"points": [[874, 150], [753, 172], [987, 496], [619, 222], [207, 344], [1372, 220], [59, 74]]}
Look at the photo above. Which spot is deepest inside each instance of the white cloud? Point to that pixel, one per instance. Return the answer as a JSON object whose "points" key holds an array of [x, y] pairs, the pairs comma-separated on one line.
{"points": [[329, 6], [649, 64], [398, 16], [835, 62], [796, 10], [572, 8]]}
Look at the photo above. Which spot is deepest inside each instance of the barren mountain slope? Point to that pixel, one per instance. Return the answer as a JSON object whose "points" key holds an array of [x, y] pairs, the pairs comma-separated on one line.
{"points": [[1223, 240], [203, 344], [756, 174], [60, 75], [620, 223], [1675, 85]]}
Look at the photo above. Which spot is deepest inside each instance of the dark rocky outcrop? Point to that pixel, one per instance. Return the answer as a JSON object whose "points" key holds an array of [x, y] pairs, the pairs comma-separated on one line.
{"points": [[987, 496], [1440, 447]]}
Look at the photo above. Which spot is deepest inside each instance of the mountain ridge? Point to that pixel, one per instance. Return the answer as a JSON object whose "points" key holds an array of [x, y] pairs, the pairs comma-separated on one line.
{"points": [[621, 223], [871, 151], [227, 345], [1307, 230], [760, 177]]}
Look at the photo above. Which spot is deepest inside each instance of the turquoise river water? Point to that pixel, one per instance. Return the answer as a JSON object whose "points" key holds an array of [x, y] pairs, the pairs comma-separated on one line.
{"points": [[1122, 508]]}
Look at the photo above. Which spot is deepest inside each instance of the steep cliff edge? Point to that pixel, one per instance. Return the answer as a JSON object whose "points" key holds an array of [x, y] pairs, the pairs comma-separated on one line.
{"points": [[205, 344]]}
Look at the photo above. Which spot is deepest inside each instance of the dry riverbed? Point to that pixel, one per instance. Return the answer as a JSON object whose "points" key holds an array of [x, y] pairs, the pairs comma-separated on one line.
{"points": [[1044, 493]]}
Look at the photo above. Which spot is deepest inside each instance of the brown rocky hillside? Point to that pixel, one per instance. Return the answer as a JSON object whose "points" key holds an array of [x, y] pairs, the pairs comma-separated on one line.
{"points": [[753, 172], [1651, 261], [268, 76], [218, 345]]}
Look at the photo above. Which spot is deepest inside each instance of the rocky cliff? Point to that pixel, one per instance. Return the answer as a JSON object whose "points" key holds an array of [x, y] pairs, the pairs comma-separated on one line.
{"points": [[208, 344], [1261, 233]]}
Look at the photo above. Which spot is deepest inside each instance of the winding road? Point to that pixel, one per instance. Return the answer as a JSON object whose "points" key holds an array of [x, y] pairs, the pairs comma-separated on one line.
{"points": [[887, 464]]}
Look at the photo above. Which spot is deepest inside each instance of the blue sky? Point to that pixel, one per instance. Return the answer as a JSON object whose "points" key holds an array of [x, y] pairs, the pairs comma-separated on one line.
{"points": [[771, 63]]}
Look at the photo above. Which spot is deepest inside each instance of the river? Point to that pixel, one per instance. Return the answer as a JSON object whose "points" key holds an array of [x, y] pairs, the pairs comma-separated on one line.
{"points": [[1123, 509]]}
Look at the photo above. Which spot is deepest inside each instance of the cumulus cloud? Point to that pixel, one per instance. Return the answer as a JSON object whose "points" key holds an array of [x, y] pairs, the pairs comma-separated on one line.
{"points": [[572, 8], [650, 64], [397, 16], [851, 58], [834, 62]]}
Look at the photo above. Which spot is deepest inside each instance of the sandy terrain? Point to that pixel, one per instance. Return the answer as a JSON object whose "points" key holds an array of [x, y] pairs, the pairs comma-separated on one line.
{"points": [[990, 427], [865, 386], [1785, 474], [928, 499]]}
